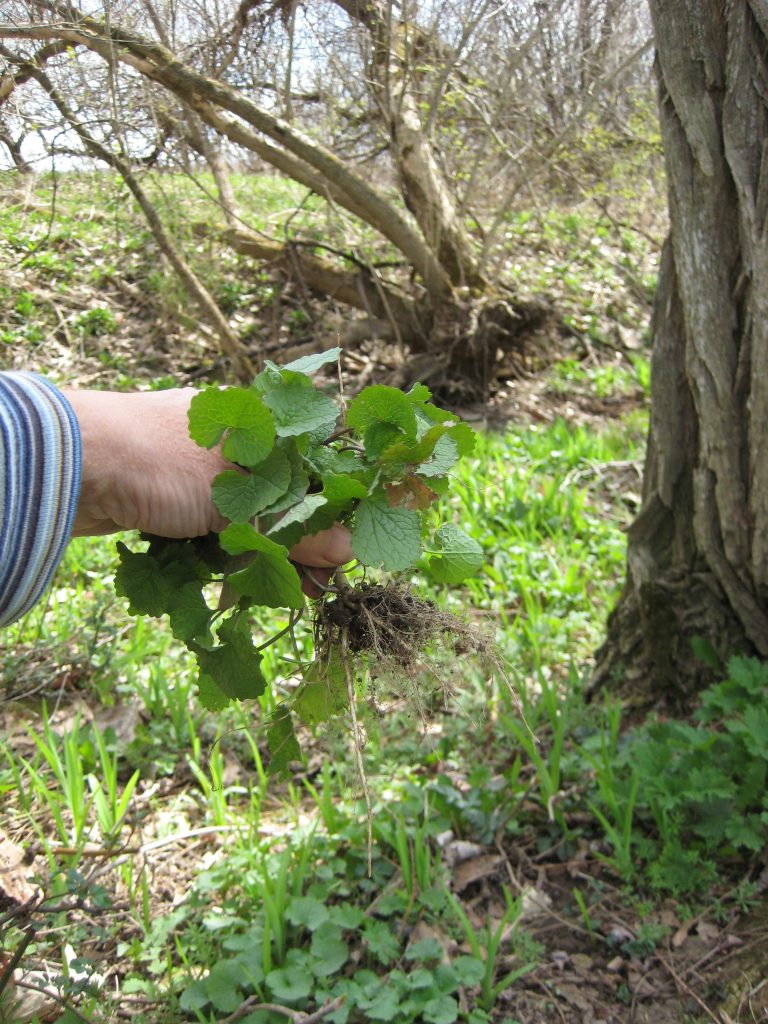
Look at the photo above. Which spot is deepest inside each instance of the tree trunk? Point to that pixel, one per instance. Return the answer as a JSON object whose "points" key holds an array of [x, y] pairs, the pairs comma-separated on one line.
{"points": [[698, 550]]}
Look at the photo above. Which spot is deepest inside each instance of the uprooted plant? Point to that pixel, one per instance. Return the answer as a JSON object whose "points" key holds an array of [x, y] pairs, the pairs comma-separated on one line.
{"points": [[306, 461]]}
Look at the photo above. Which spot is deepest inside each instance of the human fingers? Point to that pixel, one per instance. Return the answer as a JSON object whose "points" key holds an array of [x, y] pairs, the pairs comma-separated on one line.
{"points": [[314, 580], [326, 549]]}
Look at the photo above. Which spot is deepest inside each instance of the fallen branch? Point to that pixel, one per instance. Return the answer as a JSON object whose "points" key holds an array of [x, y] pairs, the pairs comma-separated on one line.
{"points": [[297, 1016]]}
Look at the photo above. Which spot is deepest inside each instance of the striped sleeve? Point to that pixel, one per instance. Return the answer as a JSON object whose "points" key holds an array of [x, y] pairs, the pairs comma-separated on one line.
{"points": [[40, 465]]}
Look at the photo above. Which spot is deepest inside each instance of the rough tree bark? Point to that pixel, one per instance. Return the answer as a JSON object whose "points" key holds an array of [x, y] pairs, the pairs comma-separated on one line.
{"points": [[698, 550]]}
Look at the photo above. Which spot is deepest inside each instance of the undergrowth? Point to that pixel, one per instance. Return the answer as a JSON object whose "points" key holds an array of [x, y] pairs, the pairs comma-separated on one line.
{"points": [[283, 909]]}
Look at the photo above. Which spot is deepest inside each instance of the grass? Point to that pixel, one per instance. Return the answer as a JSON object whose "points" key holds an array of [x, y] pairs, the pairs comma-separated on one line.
{"points": [[192, 887], [554, 559], [278, 906]]}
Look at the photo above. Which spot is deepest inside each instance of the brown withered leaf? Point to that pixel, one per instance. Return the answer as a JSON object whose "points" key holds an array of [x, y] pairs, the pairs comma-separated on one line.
{"points": [[474, 869], [13, 873], [410, 492]]}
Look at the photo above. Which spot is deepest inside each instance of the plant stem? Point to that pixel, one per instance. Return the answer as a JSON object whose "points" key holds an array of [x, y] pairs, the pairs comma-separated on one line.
{"points": [[356, 735]]}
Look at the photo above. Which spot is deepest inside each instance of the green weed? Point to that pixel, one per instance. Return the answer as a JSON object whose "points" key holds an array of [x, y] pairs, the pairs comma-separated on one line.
{"points": [[677, 797], [486, 946]]}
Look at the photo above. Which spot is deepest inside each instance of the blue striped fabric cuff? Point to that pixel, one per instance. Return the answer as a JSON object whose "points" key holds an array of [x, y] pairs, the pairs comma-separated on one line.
{"points": [[40, 466]]}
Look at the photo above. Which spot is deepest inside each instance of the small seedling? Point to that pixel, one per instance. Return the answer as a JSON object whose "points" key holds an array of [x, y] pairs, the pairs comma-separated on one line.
{"points": [[304, 463]]}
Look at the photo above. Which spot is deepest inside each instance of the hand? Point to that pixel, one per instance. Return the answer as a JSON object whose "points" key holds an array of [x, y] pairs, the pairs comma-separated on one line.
{"points": [[142, 471], [317, 557]]}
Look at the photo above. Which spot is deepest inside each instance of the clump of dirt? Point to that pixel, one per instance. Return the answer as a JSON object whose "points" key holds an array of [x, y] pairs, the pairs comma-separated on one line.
{"points": [[392, 624]]}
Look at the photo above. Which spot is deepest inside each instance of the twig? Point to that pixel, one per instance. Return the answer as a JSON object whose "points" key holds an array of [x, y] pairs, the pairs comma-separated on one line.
{"points": [[54, 997], [297, 1016], [156, 844], [686, 988], [13, 963]]}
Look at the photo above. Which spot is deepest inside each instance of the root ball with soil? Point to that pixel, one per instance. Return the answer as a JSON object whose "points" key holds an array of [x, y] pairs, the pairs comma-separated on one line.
{"points": [[388, 623]]}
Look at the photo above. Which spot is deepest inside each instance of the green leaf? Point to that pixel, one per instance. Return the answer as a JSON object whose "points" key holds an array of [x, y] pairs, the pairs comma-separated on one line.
{"points": [[141, 579], [298, 407], [299, 483], [270, 579], [300, 513], [325, 460], [420, 394], [386, 537], [756, 731], [384, 1006], [424, 949], [380, 436], [461, 556], [307, 911], [281, 741], [420, 978], [341, 494], [212, 697], [411, 455], [340, 489], [347, 915], [190, 616], [239, 538], [210, 553], [241, 496], [235, 664], [443, 459], [240, 413], [223, 984], [329, 950], [382, 943], [382, 404], [195, 996], [441, 1010], [308, 364], [747, 830], [290, 984], [468, 970], [323, 691]]}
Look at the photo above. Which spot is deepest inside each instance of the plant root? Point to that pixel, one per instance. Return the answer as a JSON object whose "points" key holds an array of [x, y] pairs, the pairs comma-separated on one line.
{"points": [[390, 624]]}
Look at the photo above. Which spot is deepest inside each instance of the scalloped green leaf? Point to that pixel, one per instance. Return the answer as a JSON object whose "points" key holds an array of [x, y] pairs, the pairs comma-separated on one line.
{"points": [[300, 513], [212, 697], [282, 743], [299, 483], [270, 579], [460, 555], [323, 691], [444, 457], [141, 578], [241, 496], [242, 415], [235, 664], [298, 407], [382, 404], [384, 537], [189, 615]]}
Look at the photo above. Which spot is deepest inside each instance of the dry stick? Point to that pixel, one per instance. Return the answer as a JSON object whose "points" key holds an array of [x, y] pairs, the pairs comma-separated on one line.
{"points": [[49, 993], [297, 1016], [686, 988]]}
